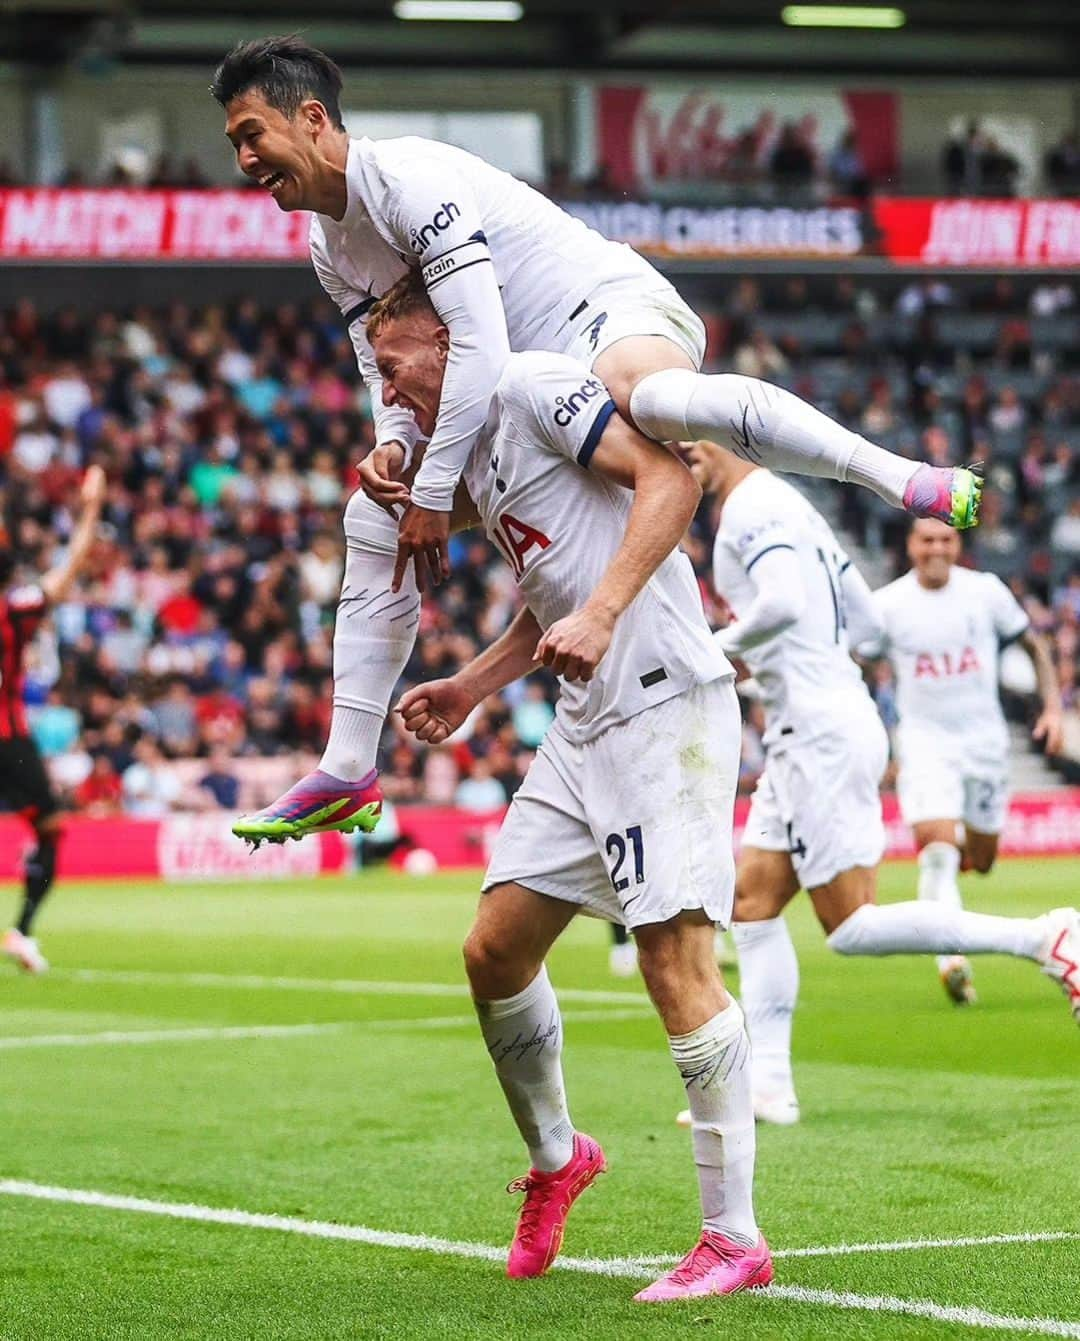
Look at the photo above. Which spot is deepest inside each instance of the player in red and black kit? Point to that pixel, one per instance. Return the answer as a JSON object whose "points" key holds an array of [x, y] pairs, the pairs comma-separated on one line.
{"points": [[24, 783]]}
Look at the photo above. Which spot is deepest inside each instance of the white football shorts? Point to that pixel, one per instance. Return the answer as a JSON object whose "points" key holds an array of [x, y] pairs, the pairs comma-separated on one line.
{"points": [[620, 308], [820, 802], [940, 779], [636, 825]]}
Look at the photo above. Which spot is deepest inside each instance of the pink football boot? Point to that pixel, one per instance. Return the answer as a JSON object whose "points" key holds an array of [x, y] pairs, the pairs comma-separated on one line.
{"points": [[548, 1198], [715, 1265]]}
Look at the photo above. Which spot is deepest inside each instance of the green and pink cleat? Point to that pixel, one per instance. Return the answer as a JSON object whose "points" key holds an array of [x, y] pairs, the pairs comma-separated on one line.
{"points": [[949, 493], [318, 803]]}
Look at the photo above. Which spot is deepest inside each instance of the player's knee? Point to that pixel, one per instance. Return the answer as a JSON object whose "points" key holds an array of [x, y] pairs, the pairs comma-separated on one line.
{"points": [[491, 965], [981, 859], [754, 904], [850, 936]]}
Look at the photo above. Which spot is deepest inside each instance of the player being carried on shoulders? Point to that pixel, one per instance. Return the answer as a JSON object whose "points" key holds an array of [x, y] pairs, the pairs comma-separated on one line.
{"points": [[626, 811], [506, 269], [815, 818], [943, 629]]}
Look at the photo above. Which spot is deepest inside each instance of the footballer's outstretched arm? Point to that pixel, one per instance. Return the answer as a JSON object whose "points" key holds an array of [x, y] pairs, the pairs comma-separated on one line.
{"points": [[1049, 727], [431, 215], [396, 433], [58, 582], [666, 496], [435, 710], [779, 600]]}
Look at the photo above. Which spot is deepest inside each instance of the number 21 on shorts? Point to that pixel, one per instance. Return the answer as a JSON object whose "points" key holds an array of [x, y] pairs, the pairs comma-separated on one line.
{"points": [[616, 847]]}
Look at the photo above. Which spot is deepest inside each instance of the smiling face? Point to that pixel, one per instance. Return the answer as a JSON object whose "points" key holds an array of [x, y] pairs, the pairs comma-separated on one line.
{"points": [[285, 155], [410, 354], [933, 548]]}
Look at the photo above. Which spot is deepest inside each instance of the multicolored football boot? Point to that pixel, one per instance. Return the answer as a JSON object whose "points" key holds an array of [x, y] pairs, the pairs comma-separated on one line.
{"points": [[318, 803], [950, 493]]}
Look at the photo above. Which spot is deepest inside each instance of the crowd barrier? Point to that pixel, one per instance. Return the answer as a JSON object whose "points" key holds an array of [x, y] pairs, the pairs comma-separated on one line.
{"points": [[201, 847]]}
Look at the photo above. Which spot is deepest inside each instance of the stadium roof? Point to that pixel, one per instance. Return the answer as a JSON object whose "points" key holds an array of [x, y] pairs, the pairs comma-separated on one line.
{"points": [[1040, 38]]}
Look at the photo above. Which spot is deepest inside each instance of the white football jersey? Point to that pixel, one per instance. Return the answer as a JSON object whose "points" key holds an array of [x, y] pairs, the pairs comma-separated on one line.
{"points": [[559, 525], [944, 645], [418, 203], [809, 683]]}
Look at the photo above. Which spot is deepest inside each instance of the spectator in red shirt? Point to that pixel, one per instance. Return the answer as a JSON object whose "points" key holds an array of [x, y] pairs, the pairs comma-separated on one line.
{"points": [[101, 792]]}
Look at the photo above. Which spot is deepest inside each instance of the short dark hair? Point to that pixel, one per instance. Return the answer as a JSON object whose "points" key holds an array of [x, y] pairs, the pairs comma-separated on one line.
{"points": [[285, 70], [406, 297]]}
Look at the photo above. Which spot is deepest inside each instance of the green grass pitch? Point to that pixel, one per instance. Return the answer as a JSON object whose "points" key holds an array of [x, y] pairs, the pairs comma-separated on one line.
{"points": [[920, 1121]]}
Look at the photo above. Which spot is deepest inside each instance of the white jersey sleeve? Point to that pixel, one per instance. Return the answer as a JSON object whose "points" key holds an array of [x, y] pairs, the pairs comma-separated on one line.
{"points": [[865, 629], [431, 217], [392, 423], [1008, 615], [556, 402], [779, 600]]}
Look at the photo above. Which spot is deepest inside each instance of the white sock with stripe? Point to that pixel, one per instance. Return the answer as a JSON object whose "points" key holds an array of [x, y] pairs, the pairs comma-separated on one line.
{"points": [[714, 1062]]}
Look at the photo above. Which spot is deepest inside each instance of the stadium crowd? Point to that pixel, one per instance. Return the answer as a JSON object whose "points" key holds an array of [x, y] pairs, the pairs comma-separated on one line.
{"points": [[193, 668], [762, 162]]}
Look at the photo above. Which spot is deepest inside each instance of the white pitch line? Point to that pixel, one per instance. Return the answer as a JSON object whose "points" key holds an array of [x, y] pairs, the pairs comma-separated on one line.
{"points": [[923, 1308], [637, 1268], [902, 1245], [348, 986], [208, 1033], [195, 1035]]}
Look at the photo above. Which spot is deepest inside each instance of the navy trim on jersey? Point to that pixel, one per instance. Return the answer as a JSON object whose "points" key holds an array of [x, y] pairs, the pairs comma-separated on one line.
{"points": [[478, 236], [592, 438], [480, 260], [360, 310], [1008, 642], [768, 550], [844, 567]]}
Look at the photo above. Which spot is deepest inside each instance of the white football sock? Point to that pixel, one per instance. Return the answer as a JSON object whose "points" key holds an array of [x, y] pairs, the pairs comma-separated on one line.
{"points": [[931, 928], [523, 1034], [765, 425], [373, 640], [714, 1062], [939, 865], [768, 989]]}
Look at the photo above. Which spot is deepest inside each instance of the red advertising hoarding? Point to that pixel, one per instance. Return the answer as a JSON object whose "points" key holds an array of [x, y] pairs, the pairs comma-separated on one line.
{"points": [[235, 226], [201, 847]]}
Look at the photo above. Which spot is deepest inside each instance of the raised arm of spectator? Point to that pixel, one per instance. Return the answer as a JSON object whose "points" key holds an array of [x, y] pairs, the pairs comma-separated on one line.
{"points": [[58, 581]]}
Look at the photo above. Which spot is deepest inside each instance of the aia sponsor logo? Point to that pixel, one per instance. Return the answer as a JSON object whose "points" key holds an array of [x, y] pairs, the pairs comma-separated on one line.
{"points": [[942, 666], [567, 408], [444, 216], [516, 538]]}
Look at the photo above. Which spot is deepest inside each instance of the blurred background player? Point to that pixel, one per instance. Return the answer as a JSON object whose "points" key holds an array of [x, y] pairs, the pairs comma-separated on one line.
{"points": [[506, 269], [943, 629], [24, 783], [815, 818]]}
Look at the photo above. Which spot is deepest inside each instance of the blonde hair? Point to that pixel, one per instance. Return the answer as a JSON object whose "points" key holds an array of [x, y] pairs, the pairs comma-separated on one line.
{"points": [[403, 299]]}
